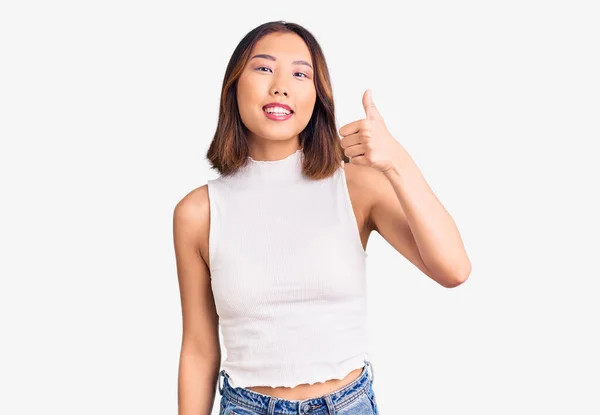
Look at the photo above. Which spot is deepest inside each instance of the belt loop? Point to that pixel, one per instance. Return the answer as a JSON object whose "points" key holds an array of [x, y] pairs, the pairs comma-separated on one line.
{"points": [[371, 371], [221, 374], [330, 405], [271, 406]]}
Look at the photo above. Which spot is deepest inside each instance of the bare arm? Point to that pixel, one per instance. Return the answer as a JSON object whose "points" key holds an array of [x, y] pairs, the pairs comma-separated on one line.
{"points": [[408, 215], [200, 356]]}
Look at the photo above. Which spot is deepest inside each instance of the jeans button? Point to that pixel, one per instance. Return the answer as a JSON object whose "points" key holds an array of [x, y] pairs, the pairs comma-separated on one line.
{"points": [[307, 409]]}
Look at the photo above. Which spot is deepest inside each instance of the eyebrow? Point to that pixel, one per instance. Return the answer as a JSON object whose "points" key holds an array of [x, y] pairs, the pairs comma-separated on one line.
{"points": [[272, 58]]}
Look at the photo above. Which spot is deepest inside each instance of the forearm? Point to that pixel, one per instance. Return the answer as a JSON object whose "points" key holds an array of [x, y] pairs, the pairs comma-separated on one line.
{"points": [[436, 235], [197, 383]]}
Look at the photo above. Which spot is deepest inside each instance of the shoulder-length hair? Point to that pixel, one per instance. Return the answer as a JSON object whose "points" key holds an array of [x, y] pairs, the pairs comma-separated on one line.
{"points": [[320, 142]]}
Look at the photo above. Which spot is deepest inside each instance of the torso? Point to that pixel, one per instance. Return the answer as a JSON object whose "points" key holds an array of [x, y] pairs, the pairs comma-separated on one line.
{"points": [[361, 204], [306, 391]]}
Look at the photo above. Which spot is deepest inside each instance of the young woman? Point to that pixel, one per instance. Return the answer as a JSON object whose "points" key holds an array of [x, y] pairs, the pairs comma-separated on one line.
{"points": [[272, 252]]}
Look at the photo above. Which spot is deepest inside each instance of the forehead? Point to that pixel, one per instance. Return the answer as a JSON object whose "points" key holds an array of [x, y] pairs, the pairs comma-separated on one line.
{"points": [[283, 46]]}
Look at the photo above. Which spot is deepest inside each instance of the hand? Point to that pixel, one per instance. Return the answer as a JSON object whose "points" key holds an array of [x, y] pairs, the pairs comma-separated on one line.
{"points": [[368, 142]]}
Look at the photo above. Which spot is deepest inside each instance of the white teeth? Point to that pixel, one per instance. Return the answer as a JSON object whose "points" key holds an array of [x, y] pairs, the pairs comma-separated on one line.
{"points": [[277, 110]]}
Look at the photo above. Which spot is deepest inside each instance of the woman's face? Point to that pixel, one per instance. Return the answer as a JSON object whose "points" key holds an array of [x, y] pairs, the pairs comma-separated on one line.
{"points": [[279, 71]]}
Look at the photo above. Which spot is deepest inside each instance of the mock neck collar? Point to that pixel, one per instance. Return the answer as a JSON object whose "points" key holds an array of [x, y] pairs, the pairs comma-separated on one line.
{"points": [[285, 170]]}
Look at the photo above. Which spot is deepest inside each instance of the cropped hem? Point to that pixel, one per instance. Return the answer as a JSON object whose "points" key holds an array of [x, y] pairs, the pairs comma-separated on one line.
{"points": [[321, 374]]}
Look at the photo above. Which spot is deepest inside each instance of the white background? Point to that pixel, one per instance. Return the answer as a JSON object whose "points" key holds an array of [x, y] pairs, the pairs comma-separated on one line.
{"points": [[106, 112]]}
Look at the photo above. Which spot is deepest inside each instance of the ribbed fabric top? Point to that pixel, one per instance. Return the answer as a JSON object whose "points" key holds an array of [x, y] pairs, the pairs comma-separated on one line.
{"points": [[288, 274]]}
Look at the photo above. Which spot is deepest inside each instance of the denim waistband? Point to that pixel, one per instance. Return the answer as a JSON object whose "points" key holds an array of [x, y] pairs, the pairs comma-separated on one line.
{"points": [[326, 404]]}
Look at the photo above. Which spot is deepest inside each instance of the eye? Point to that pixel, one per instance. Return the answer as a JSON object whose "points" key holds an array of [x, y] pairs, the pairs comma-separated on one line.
{"points": [[259, 69]]}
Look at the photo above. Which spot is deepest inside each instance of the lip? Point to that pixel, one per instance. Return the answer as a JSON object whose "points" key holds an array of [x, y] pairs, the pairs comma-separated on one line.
{"points": [[276, 117], [278, 104]]}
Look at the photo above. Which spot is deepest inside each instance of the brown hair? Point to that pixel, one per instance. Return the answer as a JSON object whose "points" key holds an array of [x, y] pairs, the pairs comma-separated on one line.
{"points": [[320, 142]]}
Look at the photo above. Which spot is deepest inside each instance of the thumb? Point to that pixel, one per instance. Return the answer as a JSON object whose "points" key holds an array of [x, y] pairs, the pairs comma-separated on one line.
{"points": [[370, 109]]}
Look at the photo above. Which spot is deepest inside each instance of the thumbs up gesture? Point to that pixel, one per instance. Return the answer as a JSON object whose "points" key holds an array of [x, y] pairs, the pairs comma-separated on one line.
{"points": [[368, 141]]}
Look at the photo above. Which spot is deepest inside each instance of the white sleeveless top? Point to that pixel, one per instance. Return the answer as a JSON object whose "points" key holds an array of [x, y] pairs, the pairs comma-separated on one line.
{"points": [[288, 274]]}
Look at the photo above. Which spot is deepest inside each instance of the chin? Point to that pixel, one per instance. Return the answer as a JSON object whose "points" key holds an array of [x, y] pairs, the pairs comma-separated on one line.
{"points": [[278, 137], [278, 134]]}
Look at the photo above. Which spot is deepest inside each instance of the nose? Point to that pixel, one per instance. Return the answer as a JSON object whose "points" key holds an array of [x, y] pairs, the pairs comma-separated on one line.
{"points": [[279, 87], [279, 91]]}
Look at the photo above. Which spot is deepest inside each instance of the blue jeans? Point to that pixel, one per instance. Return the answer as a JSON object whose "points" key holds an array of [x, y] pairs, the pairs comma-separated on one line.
{"points": [[356, 398]]}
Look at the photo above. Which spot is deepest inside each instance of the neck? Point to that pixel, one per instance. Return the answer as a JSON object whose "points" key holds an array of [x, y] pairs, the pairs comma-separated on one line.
{"points": [[272, 151], [286, 168]]}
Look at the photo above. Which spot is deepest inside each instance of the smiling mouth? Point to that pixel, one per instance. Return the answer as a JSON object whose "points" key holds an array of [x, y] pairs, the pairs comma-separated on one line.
{"points": [[275, 116], [279, 111]]}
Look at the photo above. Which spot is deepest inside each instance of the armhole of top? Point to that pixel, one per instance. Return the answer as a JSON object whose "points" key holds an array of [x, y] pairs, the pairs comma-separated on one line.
{"points": [[350, 210], [212, 231]]}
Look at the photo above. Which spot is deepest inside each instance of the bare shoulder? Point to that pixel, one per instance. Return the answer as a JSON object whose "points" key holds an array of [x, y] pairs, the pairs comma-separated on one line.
{"points": [[200, 318], [362, 176], [367, 178], [191, 219]]}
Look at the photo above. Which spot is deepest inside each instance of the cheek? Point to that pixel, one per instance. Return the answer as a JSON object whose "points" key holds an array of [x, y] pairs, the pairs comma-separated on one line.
{"points": [[246, 103], [309, 98], [249, 93], [243, 94]]}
